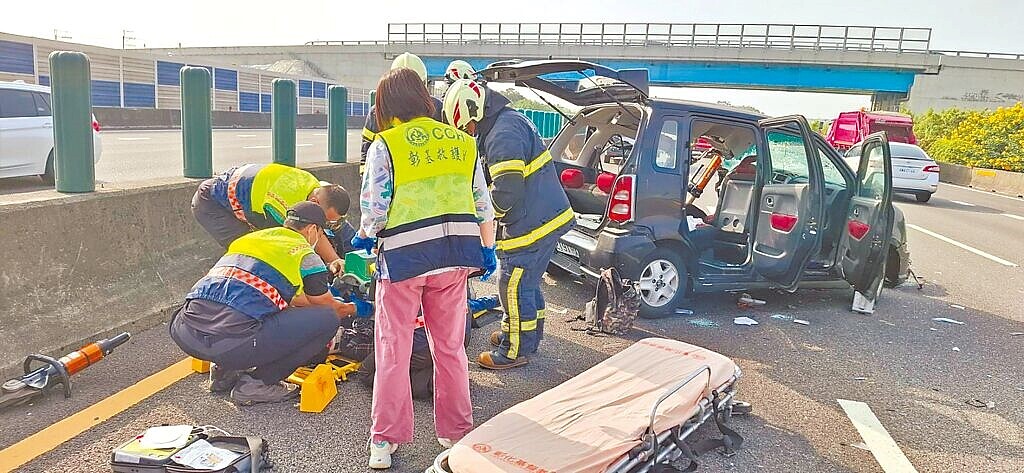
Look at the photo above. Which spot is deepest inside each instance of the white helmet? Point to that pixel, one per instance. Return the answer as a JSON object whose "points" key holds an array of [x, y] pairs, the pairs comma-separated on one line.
{"points": [[458, 69], [464, 103], [410, 61]]}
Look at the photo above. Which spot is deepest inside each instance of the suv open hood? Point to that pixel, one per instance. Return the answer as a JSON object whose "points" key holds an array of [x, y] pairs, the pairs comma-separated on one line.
{"points": [[625, 85]]}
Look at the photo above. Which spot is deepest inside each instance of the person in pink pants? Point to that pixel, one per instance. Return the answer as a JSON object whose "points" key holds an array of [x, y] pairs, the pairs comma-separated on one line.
{"points": [[427, 212]]}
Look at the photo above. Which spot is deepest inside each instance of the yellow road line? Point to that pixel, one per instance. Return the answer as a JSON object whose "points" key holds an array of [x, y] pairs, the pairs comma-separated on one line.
{"points": [[49, 438]]}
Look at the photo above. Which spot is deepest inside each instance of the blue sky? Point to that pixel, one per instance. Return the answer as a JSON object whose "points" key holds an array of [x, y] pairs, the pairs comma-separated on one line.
{"points": [[978, 25]]}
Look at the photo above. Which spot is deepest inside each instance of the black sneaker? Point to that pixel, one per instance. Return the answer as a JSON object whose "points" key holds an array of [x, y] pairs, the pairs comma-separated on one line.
{"points": [[222, 380], [251, 391]]}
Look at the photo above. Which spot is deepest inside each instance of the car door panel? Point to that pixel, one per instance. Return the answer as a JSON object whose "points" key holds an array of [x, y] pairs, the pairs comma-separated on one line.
{"points": [[869, 222], [789, 212], [27, 138]]}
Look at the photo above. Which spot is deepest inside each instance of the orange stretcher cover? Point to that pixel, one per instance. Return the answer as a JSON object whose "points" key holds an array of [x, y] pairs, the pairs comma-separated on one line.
{"points": [[588, 422]]}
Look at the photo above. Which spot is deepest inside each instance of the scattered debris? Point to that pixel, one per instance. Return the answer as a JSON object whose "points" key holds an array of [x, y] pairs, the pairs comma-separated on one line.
{"points": [[948, 321], [1021, 389], [744, 321], [1016, 334], [958, 306], [703, 323], [558, 311], [860, 378], [956, 349], [791, 307], [782, 317], [933, 329], [981, 404], [886, 322], [801, 322], [746, 301], [860, 445], [684, 312]]}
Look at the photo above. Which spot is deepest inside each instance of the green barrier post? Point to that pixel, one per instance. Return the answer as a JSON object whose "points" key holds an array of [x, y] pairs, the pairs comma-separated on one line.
{"points": [[196, 122], [337, 123], [282, 121], [73, 158]]}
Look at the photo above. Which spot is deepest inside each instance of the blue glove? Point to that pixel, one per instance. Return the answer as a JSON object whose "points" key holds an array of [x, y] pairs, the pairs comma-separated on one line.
{"points": [[483, 303], [363, 309], [368, 243], [490, 262]]}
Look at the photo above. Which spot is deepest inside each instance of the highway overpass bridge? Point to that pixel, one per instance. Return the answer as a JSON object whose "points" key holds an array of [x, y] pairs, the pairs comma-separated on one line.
{"points": [[891, 64]]}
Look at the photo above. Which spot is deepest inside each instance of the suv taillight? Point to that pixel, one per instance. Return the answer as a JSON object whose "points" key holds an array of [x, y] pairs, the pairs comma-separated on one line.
{"points": [[96, 126], [620, 204]]}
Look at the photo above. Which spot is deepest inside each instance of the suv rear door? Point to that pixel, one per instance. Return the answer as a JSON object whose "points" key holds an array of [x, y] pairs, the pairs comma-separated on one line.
{"points": [[791, 202], [26, 130], [863, 248]]}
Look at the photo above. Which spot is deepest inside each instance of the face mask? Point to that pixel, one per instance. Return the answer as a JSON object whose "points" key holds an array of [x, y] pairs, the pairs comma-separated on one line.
{"points": [[317, 239]]}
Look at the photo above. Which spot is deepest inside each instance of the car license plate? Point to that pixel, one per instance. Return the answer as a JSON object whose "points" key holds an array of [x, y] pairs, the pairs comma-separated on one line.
{"points": [[905, 170], [567, 250]]}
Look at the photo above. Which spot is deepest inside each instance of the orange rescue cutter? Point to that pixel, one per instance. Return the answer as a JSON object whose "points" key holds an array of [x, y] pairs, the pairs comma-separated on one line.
{"points": [[37, 381]]}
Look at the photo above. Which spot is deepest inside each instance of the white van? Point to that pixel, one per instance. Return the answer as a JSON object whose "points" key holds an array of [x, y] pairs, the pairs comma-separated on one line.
{"points": [[26, 131]]}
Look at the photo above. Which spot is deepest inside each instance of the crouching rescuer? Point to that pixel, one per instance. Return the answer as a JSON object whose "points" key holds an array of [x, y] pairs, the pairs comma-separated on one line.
{"points": [[264, 306], [530, 206]]}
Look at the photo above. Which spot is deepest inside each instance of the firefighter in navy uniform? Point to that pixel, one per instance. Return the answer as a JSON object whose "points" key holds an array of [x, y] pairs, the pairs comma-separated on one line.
{"points": [[531, 207]]}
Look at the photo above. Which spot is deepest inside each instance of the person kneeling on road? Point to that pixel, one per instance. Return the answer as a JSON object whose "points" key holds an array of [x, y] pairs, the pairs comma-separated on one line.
{"points": [[265, 304], [255, 196]]}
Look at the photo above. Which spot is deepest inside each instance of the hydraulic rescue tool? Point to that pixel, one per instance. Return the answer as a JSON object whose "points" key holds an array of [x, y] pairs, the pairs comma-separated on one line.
{"points": [[36, 381]]}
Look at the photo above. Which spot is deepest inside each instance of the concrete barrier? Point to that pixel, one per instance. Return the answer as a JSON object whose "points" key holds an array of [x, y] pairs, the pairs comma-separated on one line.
{"points": [[955, 174], [163, 119], [992, 180], [75, 267]]}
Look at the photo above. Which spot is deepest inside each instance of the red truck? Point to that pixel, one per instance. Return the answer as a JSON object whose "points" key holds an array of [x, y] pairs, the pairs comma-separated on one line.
{"points": [[851, 127]]}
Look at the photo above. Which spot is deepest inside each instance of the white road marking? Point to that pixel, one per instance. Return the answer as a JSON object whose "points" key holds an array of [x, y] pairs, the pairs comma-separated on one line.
{"points": [[1016, 217], [878, 440], [257, 147], [962, 203], [137, 138], [1017, 199], [246, 136], [963, 246], [319, 134], [303, 145]]}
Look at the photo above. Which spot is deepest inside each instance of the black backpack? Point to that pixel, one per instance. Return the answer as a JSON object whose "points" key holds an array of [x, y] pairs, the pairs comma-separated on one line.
{"points": [[615, 306]]}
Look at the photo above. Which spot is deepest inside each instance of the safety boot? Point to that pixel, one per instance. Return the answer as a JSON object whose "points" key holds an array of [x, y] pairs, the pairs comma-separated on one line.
{"points": [[496, 361]]}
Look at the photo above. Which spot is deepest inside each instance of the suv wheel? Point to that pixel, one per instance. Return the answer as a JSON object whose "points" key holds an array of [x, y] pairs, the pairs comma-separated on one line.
{"points": [[923, 196], [663, 279]]}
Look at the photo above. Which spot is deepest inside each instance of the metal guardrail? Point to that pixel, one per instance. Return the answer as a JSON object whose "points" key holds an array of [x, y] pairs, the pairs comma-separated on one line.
{"points": [[346, 43], [776, 36], [980, 54]]}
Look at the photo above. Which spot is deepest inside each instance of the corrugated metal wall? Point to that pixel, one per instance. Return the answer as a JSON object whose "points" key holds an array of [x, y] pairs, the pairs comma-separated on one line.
{"points": [[137, 80]]}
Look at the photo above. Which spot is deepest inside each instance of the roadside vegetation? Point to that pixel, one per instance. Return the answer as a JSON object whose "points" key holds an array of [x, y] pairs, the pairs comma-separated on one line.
{"points": [[991, 139]]}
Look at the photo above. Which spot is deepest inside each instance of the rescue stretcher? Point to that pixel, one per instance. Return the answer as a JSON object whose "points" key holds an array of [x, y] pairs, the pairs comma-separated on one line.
{"points": [[632, 413]]}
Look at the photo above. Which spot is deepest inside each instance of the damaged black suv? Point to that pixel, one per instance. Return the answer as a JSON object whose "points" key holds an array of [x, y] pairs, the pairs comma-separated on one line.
{"points": [[784, 211]]}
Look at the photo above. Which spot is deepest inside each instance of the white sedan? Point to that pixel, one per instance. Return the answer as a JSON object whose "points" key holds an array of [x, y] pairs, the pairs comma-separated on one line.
{"points": [[26, 132], [914, 172]]}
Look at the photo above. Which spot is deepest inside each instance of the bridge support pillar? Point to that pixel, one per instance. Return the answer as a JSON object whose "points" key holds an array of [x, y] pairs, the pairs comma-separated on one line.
{"points": [[887, 101]]}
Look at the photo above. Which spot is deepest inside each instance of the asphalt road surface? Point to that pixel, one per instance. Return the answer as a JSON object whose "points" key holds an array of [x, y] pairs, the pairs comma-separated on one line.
{"points": [[138, 155], [917, 375]]}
